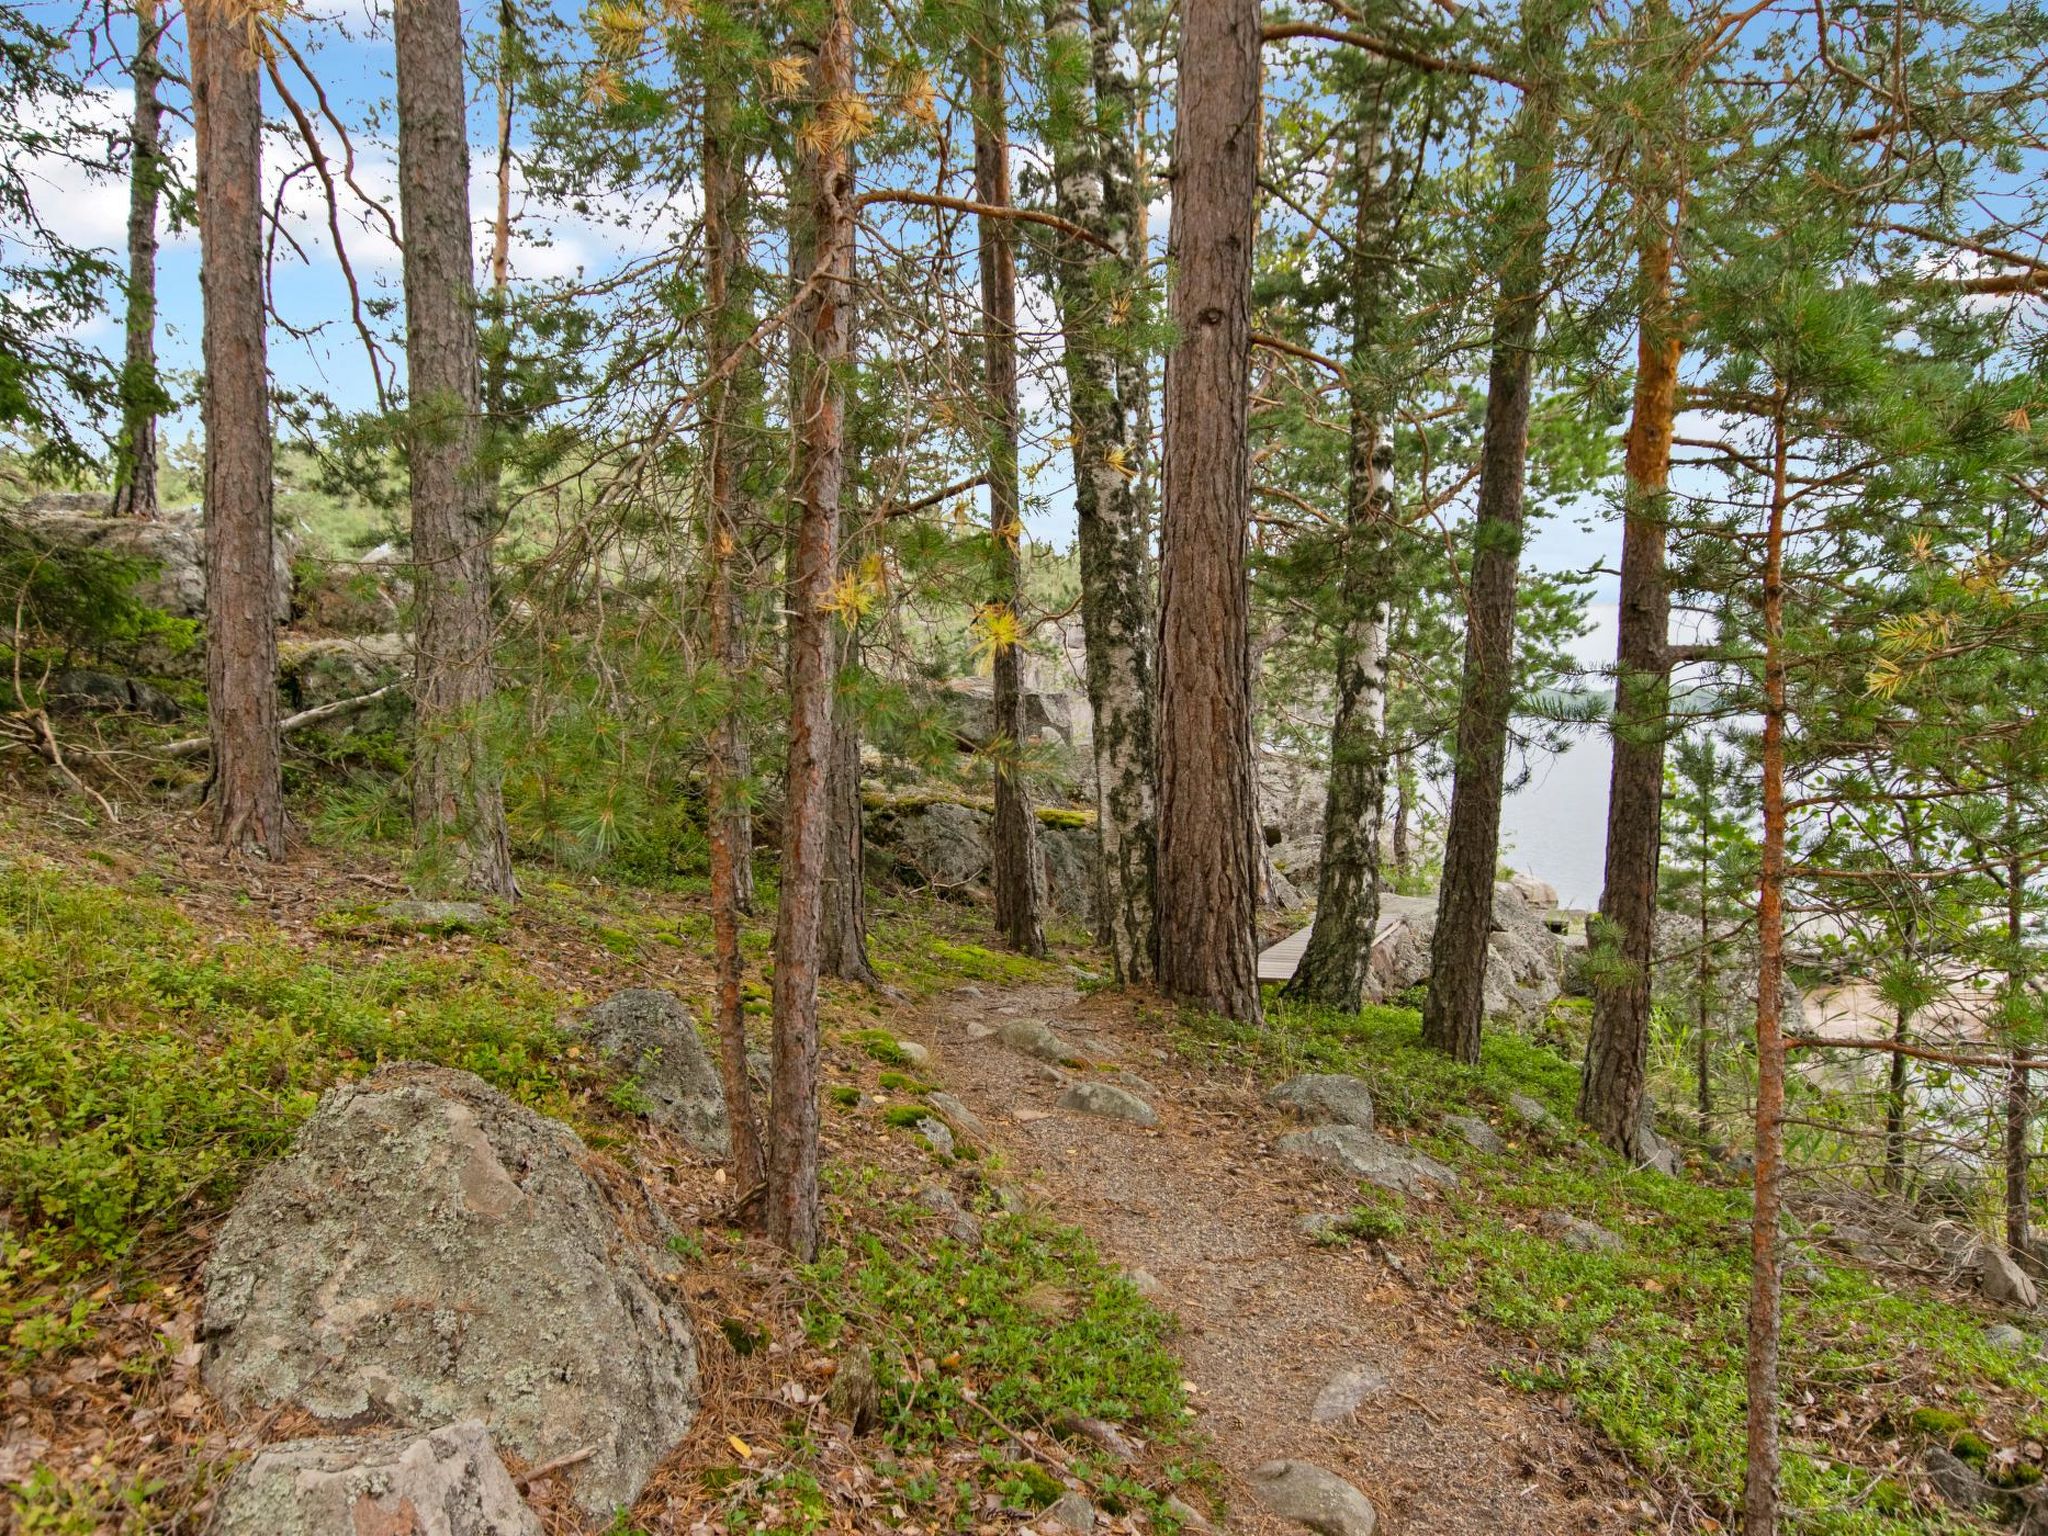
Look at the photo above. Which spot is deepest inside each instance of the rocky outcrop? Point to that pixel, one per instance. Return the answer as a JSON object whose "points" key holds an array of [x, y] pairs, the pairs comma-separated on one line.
{"points": [[172, 548], [449, 1482], [943, 847], [431, 1252], [324, 671], [1524, 958], [649, 1037]]}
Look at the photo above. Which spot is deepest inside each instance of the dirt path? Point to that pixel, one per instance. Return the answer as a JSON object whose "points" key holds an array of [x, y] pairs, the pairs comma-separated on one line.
{"points": [[1204, 1205]]}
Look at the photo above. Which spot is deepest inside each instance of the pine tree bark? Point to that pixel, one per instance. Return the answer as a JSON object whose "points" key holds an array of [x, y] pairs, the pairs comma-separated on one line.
{"points": [[1611, 1088], [458, 807], [843, 917], [247, 787], [1018, 877], [1333, 968], [2019, 1108], [1208, 867], [135, 489], [726, 322], [1092, 286], [824, 184], [1454, 1009], [1760, 1485]]}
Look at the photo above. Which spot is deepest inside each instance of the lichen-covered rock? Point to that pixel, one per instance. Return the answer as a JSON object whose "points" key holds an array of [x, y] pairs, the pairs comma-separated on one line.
{"points": [[432, 1252], [1035, 1037], [1326, 1098], [1524, 959], [1108, 1102], [171, 548], [2002, 1281], [445, 1483], [1579, 1234], [1477, 1134], [1370, 1158], [1311, 1496], [648, 1036]]}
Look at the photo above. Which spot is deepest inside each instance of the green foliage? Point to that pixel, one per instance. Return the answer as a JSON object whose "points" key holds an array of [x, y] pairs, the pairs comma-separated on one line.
{"points": [[145, 1072], [1648, 1342], [1031, 1322]]}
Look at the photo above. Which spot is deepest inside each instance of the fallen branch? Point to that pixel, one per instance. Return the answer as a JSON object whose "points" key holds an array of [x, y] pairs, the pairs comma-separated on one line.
{"points": [[192, 746], [1917, 1052], [549, 1468]]}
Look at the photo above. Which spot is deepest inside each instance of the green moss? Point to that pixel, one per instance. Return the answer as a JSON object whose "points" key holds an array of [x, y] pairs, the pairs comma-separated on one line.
{"points": [[843, 1094], [905, 1116], [879, 1045], [903, 1082]]}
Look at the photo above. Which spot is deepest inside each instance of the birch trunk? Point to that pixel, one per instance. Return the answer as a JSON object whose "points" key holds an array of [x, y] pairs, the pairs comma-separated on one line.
{"points": [[135, 491]]}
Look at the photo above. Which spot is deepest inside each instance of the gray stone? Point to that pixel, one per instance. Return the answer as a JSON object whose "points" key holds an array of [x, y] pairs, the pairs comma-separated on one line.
{"points": [[171, 549], [1370, 1158], [1069, 1512], [1308, 1495], [1147, 1284], [1108, 1101], [1034, 1037], [1956, 1480], [1326, 1098], [940, 846], [1072, 859], [1345, 1393], [1321, 1227], [933, 1130], [437, 916], [2002, 1281], [1478, 1135], [1658, 1155], [1190, 1518], [960, 1222], [449, 1482], [914, 1054], [432, 1252], [1524, 959], [2008, 1340], [650, 1037], [81, 689], [1534, 1114], [1578, 1234], [328, 669], [963, 1120]]}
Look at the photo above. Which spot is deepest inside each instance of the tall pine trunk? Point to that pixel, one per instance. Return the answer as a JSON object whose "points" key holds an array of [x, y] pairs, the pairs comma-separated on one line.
{"points": [[843, 917], [824, 186], [1096, 287], [1454, 1010], [1208, 869], [726, 326], [1760, 1487], [458, 807], [247, 787], [135, 490], [1018, 877], [2019, 1108], [1611, 1089], [1333, 968]]}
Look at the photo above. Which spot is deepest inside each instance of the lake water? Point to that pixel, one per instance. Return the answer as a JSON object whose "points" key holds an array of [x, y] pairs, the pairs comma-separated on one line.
{"points": [[1555, 826]]}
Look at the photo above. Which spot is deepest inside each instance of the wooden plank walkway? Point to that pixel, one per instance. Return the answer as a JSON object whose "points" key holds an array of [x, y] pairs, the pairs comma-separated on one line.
{"points": [[1277, 962]]}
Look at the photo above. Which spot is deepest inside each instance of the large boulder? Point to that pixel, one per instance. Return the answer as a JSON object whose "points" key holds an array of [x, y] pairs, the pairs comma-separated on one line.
{"points": [[944, 847], [446, 1483], [1325, 1098], [1371, 1158], [172, 547], [649, 1037], [1524, 959], [432, 1252]]}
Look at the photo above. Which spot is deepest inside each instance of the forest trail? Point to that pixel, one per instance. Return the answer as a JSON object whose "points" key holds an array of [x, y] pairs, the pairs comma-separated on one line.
{"points": [[1267, 1316]]}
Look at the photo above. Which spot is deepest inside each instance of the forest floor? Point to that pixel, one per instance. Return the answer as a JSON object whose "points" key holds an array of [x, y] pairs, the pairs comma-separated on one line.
{"points": [[1268, 1314], [167, 1020]]}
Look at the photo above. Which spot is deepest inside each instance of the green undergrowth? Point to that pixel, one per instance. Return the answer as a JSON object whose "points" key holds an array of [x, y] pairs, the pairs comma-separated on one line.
{"points": [[147, 1068], [975, 1345], [1648, 1342]]}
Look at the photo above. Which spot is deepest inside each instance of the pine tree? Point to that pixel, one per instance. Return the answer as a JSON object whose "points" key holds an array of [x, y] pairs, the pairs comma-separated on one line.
{"points": [[247, 786]]}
